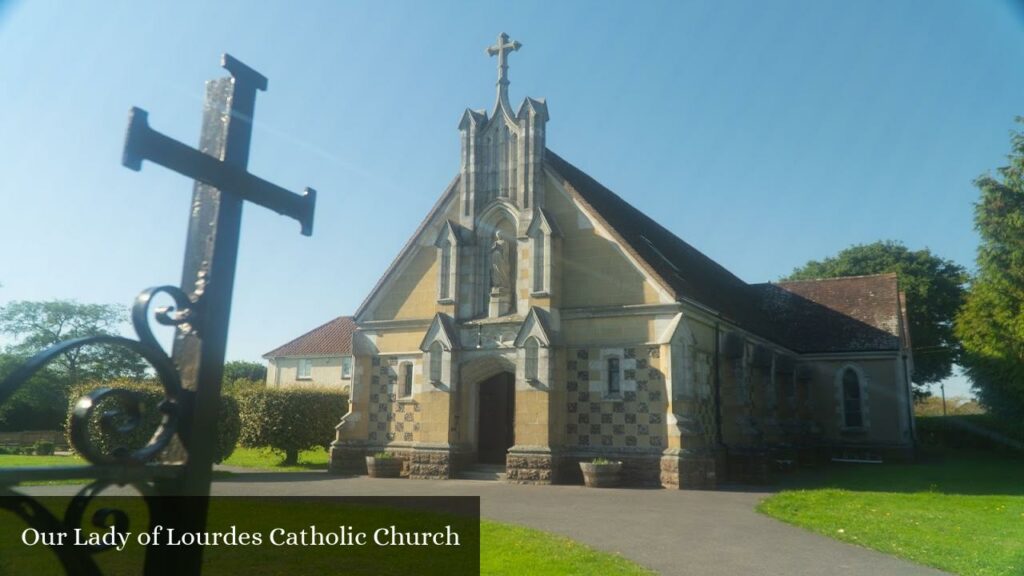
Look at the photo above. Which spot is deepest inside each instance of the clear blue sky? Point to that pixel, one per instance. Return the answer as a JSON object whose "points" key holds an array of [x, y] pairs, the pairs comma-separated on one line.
{"points": [[764, 133]]}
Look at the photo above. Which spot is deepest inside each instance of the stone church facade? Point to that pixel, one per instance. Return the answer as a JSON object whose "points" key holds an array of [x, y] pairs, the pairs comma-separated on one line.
{"points": [[536, 319]]}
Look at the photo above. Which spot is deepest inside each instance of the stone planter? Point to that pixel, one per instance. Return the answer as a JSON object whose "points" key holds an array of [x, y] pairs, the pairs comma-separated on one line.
{"points": [[601, 475], [383, 467]]}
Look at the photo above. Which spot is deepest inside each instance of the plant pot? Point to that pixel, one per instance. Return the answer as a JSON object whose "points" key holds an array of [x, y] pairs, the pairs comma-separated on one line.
{"points": [[601, 475], [383, 467]]}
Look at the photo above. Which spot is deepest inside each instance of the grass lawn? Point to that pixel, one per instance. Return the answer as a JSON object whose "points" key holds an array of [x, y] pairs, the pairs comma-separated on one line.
{"points": [[258, 458], [266, 459], [515, 550], [957, 511], [18, 461]]}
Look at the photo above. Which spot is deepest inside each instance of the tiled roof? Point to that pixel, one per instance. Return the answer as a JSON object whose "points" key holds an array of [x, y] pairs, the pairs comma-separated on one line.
{"points": [[841, 314], [331, 339], [856, 313]]}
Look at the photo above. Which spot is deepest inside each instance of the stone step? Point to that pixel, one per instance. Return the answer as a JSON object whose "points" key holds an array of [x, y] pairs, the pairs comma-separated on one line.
{"points": [[490, 472]]}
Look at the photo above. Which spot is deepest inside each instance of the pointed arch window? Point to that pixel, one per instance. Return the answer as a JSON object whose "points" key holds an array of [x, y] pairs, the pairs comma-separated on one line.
{"points": [[435, 358], [853, 406], [445, 290], [447, 244], [532, 367], [538, 264], [541, 233]]}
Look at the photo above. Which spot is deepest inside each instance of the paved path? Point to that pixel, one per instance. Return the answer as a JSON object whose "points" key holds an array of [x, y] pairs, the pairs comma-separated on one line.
{"points": [[700, 533]]}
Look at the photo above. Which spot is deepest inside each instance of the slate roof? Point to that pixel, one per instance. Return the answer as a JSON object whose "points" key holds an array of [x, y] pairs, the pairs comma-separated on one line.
{"points": [[331, 339], [855, 313], [841, 314], [688, 273]]}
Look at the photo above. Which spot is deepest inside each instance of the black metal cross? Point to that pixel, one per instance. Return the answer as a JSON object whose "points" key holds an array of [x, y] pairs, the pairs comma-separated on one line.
{"points": [[222, 185]]}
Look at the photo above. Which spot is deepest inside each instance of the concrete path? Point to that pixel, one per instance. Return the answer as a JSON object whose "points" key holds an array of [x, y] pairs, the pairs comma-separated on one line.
{"points": [[678, 533]]}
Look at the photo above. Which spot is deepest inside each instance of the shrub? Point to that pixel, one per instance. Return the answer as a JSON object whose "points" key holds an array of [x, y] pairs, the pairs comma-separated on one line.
{"points": [[151, 393], [970, 432], [44, 448], [240, 385], [290, 419]]}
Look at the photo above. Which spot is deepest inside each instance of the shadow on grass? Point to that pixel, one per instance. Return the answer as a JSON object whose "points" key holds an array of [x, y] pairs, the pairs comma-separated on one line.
{"points": [[934, 470]]}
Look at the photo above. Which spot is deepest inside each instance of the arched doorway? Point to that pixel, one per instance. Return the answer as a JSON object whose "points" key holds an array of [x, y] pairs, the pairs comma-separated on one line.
{"points": [[496, 418]]}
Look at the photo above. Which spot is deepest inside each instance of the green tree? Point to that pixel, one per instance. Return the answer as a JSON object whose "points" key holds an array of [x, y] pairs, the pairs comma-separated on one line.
{"points": [[991, 323], [242, 370], [38, 325], [935, 291], [290, 419], [38, 404]]}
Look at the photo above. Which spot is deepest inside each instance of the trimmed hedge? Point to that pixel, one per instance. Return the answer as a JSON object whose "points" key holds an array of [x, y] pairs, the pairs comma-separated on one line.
{"points": [[228, 421], [970, 432], [290, 419]]}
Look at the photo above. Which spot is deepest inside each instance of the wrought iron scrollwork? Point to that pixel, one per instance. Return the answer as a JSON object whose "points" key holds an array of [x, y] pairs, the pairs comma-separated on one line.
{"points": [[118, 413], [126, 419]]}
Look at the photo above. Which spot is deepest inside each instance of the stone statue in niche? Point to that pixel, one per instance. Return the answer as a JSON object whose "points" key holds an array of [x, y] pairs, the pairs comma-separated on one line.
{"points": [[501, 264]]}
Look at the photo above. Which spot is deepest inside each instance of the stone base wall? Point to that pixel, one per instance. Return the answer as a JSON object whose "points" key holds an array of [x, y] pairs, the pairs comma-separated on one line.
{"points": [[430, 464], [348, 460], [351, 460], [525, 467], [699, 470], [885, 452], [749, 466], [811, 456]]}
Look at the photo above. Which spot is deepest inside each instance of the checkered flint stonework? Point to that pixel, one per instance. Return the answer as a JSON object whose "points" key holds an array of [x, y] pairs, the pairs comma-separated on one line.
{"points": [[634, 418], [390, 418]]}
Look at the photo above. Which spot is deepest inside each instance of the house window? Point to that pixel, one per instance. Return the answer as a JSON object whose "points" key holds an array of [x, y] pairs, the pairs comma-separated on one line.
{"points": [[346, 367], [853, 414], [406, 380], [532, 353], [305, 371], [614, 377], [435, 361]]}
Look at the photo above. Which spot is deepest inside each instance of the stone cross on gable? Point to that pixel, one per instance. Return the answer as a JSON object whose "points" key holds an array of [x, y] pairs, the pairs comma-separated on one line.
{"points": [[501, 49]]}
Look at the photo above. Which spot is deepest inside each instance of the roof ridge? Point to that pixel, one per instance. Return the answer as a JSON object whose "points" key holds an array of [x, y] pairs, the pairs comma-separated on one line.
{"points": [[833, 278]]}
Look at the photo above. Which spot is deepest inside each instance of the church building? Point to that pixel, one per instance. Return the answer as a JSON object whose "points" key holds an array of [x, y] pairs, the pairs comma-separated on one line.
{"points": [[536, 319]]}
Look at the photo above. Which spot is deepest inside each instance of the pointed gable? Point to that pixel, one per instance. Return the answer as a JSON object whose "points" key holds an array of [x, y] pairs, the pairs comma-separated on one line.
{"points": [[536, 325], [442, 329]]}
